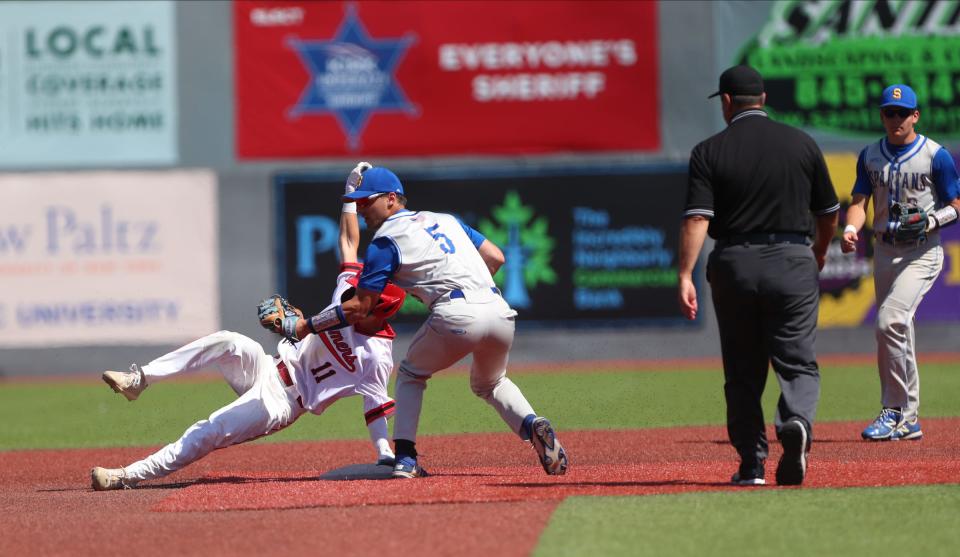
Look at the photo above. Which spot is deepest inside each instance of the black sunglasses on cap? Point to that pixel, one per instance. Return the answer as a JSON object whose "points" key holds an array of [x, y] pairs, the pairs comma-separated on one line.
{"points": [[901, 112]]}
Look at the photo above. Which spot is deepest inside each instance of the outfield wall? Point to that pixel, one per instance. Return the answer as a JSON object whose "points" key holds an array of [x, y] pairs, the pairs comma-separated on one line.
{"points": [[694, 42]]}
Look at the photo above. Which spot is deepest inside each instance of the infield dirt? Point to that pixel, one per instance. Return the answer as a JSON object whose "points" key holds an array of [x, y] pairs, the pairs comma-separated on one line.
{"points": [[487, 494]]}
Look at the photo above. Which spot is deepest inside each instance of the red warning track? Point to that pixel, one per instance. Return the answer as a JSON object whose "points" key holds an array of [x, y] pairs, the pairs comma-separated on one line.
{"points": [[482, 484]]}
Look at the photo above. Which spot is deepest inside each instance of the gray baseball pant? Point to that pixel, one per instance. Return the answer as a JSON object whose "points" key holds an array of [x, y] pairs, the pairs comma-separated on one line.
{"points": [[902, 276]]}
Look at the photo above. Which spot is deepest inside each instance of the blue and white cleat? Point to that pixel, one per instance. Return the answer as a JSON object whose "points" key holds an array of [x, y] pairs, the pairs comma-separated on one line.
{"points": [[551, 453], [908, 431], [407, 467], [886, 424]]}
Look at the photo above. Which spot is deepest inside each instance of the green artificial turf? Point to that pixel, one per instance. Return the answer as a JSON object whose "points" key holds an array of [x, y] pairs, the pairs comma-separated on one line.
{"points": [[59, 415], [854, 522]]}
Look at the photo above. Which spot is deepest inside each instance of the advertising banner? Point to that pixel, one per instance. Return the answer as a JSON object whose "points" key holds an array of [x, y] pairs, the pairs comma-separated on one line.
{"points": [[826, 62], [107, 258], [420, 78], [846, 283], [573, 251], [87, 84]]}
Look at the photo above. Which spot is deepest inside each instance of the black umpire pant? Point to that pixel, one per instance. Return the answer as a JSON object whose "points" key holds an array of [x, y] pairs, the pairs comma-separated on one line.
{"points": [[766, 298]]}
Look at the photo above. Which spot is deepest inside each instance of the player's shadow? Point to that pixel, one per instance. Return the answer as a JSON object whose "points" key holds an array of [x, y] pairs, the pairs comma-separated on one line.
{"points": [[659, 483], [344, 473]]}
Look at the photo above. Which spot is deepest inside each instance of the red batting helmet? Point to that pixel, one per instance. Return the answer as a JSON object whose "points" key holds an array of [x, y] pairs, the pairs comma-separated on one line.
{"points": [[389, 302]]}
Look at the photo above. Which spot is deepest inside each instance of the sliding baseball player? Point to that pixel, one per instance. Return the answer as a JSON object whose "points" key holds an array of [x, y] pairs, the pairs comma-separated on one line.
{"points": [[306, 376]]}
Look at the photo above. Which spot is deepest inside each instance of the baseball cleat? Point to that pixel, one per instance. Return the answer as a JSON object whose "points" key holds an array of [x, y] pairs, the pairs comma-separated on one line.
{"points": [[883, 428], [749, 474], [407, 467], [908, 430], [551, 453], [128, 383], [108, 479], [793, 464]]}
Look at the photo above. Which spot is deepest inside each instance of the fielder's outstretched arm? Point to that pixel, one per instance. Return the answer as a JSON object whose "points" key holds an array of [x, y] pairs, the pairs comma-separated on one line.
{"points": [[349, 236]]}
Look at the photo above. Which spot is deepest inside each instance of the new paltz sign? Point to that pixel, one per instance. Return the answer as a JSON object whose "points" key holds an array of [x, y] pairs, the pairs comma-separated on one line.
{"points": [[565, 261]]}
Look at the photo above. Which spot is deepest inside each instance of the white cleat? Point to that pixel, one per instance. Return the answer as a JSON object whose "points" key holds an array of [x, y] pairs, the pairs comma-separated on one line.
{"points": [[108, 479], [128, 383]]}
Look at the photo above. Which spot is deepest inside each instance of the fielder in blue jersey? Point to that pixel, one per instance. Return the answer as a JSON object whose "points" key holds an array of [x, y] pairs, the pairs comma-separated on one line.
{"points": [[449, 267], [914, 185]]}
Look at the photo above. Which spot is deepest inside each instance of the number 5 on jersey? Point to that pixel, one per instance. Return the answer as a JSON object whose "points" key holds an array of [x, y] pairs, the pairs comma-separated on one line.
{"points": [[446, 245]]}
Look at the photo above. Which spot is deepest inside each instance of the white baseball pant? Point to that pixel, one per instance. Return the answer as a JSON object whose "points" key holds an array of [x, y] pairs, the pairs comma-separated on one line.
{"points": [[265, 404], [902, 276], [479, 323]]}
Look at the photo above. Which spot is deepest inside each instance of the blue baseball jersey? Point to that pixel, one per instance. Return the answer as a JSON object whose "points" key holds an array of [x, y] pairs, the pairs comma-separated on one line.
{"points": [[921, 173], [427, 254]]}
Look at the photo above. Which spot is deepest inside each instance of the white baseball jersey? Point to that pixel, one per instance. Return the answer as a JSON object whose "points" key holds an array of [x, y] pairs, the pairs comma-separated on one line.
{"points": [[335, 364], [920, 173], [436, 255], [323, 369], [905, 177]]}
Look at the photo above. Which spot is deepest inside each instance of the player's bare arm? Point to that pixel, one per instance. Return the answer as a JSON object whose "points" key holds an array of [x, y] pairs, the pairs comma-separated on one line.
{"points": [[492, 256], [856, 216], [349, 237], [692, 234], [826, 228]]}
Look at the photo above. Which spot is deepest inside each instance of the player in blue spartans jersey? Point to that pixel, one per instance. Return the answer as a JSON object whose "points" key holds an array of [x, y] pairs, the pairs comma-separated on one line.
{"points": [[903, 172], [449, 267]]}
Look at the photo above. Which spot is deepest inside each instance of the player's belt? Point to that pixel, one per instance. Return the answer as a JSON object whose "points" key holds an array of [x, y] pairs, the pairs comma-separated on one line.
{"points": [[459, 293], [765, 239], [284, 374], [890, 239]]}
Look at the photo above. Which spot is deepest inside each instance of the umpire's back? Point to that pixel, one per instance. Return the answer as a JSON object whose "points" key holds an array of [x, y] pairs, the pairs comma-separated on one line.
{"points": [[758, 176]]}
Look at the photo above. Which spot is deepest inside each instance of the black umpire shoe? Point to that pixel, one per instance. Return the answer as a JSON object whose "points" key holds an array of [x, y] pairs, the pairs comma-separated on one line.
{"points": [[793, 464], [750, 473]]}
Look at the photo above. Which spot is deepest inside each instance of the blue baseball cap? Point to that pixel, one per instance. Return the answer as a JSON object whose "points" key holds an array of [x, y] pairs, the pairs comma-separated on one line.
{"points": [[373, 181], [898, 95]]}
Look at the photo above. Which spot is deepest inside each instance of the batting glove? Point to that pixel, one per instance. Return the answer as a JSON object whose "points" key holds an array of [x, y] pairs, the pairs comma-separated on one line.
{"points": [[353, 180]]}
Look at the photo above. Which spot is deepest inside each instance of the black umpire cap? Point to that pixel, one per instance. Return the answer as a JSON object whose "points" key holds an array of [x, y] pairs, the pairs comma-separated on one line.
{"points": [[740, 80]]}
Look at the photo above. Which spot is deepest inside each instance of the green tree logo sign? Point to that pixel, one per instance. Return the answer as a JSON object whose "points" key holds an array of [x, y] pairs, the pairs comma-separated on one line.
{"points": [[527, 246], [825, 62]]}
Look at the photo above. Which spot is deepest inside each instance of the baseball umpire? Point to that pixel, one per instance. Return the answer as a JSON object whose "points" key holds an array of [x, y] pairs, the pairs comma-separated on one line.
{"points": [[754, 188], [914, 185]]}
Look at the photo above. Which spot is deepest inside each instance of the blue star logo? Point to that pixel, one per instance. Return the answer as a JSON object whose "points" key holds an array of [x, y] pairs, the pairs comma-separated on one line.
{"points": [[352, 76]]}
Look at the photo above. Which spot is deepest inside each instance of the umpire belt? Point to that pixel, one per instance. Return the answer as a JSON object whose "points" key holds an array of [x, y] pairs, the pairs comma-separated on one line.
{"points": [[764, 239]]}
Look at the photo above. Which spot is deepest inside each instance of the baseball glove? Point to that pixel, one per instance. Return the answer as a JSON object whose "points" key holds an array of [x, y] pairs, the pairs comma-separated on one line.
{"points": [[280, 316], [908, 223]]}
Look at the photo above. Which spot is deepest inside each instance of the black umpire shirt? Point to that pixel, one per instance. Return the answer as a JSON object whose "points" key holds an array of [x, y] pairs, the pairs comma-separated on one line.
{"points": [[759, 176]]}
